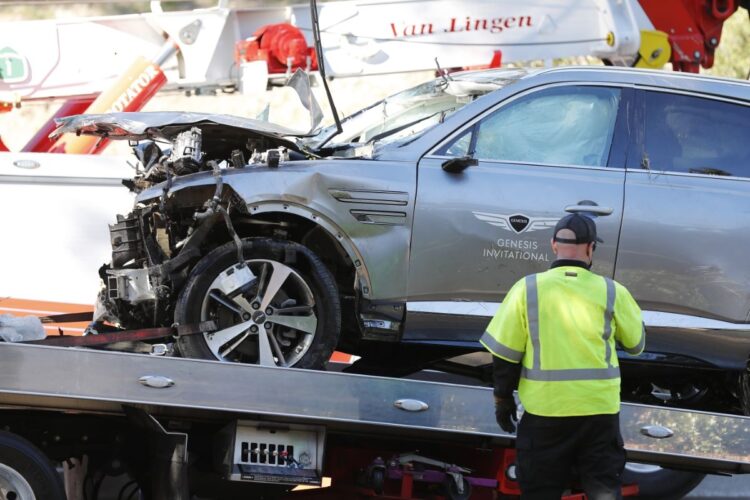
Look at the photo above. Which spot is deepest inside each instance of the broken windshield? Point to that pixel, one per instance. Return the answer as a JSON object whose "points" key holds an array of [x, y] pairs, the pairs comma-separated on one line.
{"points": [[410, 112]]}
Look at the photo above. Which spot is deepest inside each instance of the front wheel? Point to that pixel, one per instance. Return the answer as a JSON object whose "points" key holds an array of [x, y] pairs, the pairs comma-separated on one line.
{"points": [[281, 307]]}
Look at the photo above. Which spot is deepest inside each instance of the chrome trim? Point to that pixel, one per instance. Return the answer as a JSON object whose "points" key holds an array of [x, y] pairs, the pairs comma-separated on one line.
{"points": [[594, 209], [651, 72], [413, 405], [156, 381], [691, 93], [539, 164], [655, 172], [657, 431], [368, 197], [650, 318], [456, 308], [26, 164], [59, 180], [673, 320], [379, 217]]}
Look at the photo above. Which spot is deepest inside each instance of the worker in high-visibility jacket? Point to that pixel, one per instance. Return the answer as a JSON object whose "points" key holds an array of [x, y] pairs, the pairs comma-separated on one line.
{"points": [[554, 339]]}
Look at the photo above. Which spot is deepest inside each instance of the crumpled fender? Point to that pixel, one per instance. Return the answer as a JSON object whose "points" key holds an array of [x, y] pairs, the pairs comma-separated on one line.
{"points": [[366, 206]]}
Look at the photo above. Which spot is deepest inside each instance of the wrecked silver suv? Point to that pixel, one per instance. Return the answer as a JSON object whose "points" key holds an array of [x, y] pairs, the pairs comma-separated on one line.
{"points": [[397, 237]]}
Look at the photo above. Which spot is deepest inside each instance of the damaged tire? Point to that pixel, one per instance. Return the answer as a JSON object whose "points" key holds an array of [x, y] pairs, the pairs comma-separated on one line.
{"points": [[280, 308]]}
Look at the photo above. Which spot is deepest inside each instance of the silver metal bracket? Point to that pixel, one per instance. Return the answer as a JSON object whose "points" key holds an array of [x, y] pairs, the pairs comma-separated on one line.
{"points": [[156, 381], [411, 405], [657, 431]]}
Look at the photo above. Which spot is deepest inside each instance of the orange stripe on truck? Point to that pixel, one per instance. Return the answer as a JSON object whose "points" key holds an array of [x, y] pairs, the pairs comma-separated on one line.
{"points": [[30, 307]]}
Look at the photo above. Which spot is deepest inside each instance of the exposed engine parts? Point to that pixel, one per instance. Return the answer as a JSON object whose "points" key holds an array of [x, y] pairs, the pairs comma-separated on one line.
{"points": [[153, 245], [272, 157], [192, 152], [186, 152]]}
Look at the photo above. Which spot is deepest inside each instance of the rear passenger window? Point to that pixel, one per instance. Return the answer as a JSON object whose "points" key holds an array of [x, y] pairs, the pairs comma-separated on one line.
{"points": [[695, 135]]}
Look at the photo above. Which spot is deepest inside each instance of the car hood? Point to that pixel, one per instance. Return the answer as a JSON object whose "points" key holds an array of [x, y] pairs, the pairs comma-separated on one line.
{"points": [[166, 125]]}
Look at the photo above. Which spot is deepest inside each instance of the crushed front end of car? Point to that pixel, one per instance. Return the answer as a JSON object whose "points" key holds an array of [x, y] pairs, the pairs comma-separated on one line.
{"points": [[154, 245]]}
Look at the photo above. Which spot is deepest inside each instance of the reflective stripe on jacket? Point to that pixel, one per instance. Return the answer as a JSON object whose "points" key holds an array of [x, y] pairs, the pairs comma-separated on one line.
{"points": [[562, 325]]}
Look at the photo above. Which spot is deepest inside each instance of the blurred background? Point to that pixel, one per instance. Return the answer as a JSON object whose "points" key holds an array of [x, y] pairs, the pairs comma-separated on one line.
{"points": [[350, 94]]}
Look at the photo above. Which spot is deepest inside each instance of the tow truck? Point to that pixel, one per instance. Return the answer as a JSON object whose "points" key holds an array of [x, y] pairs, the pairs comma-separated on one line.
{"points": [[223, 48], [161, 421], [182, 427]]}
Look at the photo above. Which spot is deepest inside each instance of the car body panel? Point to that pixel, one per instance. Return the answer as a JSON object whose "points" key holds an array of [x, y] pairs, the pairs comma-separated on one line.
{"points": [[365, 205], [460, 223], [161, 124], [684, 244]]}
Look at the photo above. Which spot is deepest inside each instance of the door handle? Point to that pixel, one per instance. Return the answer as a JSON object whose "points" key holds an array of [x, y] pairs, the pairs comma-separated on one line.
{"points": [[592, 209]]}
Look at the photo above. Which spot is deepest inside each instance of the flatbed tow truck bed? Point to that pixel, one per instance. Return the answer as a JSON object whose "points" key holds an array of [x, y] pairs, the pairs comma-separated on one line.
{"points": [[157, 408]]}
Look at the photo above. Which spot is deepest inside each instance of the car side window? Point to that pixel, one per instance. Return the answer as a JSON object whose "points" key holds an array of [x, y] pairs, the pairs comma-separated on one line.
{"points": [[458, 146], [695, 135], [560, 126]]}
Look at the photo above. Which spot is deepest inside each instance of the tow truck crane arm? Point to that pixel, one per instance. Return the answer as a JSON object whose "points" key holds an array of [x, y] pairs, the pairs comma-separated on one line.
{"points": [[243, 48]]}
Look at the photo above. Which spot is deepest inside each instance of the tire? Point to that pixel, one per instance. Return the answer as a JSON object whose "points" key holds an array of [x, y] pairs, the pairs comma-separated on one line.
{"points": [[25, 472], [451, 489], [301, 318], [377, 481], [662, 484]]}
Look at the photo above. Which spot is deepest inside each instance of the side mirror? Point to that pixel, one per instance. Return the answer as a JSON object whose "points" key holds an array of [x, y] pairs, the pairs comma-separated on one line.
{"points": [[458, 165]]}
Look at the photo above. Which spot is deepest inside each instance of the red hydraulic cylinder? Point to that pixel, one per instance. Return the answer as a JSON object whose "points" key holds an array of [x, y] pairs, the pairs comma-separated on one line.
{"points": [[129, 93], [693, 27], [282, 46], [41, 143]]}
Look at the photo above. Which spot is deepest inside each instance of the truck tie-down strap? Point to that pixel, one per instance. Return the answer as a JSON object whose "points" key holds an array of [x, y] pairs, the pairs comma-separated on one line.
{"points": [[102, 339]]}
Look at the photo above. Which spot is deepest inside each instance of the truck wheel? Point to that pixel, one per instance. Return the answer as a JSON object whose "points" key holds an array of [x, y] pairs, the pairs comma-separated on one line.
{"points": [[25, 472], [451, 489], [285, 311], [655, 482]]}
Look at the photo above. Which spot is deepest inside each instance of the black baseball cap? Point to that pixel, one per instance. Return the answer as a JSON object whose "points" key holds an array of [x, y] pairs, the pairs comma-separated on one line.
{"points": [[583, 227]]}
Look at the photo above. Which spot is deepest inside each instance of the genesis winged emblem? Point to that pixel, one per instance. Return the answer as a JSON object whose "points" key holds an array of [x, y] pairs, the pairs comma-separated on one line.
{"points": [[517, 223]]}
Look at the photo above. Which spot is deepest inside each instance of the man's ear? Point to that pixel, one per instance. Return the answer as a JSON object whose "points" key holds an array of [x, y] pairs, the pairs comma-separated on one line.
{"points": [[553, 244]]}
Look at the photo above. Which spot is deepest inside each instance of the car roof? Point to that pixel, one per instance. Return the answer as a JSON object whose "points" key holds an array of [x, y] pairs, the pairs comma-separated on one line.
{"points": [[674, 80], [527, 79]]}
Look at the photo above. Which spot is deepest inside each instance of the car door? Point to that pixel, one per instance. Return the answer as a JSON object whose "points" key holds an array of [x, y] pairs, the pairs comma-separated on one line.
{"points": [[686, 227], [476, 232]]}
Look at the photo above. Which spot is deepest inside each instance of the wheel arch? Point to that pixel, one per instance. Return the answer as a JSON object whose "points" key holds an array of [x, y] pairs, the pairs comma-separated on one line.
{"points": [[308, 223]]}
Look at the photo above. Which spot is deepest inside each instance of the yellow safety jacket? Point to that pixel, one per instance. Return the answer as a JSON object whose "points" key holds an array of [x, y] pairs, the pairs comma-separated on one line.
{"points": [[562, 325]]}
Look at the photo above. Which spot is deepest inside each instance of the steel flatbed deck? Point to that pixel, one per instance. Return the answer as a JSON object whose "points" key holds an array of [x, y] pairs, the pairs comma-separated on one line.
{"points": [[82, 380]]}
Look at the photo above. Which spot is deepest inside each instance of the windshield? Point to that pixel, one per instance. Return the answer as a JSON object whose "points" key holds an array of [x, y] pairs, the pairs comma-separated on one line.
{"points": [[409, 113]]}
